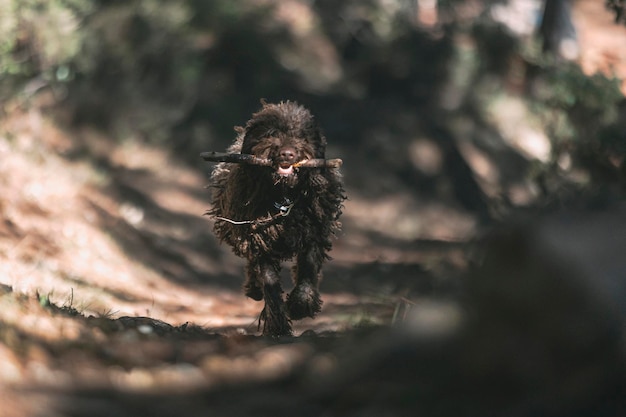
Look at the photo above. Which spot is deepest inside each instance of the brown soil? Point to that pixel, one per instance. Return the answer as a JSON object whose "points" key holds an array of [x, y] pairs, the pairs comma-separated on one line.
{"points": [[111, 276]]}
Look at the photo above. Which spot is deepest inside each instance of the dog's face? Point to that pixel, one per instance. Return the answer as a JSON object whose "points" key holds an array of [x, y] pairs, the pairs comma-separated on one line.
{"points": [[285, 133]]}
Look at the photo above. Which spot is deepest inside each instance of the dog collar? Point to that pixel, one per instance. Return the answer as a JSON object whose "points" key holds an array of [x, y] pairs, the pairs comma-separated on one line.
{"points": [[284, 209]]}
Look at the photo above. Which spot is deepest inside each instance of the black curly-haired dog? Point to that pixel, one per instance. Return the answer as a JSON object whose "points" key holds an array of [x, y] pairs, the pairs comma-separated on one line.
{"points": [[270, 214]]}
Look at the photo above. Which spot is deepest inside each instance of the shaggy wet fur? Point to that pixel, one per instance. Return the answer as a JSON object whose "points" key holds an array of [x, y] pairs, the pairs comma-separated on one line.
{"points": [[281, 213]]}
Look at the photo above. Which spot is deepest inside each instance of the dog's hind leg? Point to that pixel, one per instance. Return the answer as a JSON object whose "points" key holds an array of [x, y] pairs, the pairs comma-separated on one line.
{"points": [[304, 300], [273, 316]]}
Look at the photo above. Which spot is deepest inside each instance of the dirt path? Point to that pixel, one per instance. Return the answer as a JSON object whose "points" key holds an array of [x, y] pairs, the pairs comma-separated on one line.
{"points": [[111, 276]]}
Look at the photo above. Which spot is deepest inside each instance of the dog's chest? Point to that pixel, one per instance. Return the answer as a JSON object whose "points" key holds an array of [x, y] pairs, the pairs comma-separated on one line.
{"points": [[285, 228]]}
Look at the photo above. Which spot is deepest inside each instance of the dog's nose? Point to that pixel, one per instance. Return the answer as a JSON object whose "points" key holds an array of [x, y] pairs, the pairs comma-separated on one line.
{"points": [[287, 154]]}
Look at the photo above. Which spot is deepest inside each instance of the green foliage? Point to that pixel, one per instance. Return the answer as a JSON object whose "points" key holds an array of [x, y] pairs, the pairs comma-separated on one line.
{"points": [[580, 114], [8, 37], [575, 107], [596, 93], [194, 68], [586, 103], [57, 39], [38, 36]]}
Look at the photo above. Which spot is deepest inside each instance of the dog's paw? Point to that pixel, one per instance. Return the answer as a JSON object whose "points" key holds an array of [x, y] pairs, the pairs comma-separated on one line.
{"points": [[253, 290], [275, 324], [303, 301]]}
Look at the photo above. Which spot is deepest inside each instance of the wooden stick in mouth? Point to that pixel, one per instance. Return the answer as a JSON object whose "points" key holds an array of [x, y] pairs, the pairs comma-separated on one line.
{"points": [[242, 158]]}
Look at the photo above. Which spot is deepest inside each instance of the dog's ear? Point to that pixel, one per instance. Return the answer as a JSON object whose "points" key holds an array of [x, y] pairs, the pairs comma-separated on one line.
{"points": [[314, 136]]}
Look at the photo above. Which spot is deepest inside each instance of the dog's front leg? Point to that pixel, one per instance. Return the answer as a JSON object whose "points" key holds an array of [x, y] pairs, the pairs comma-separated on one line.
{"points": [[273, 316], [253, 287], [304, 300]]}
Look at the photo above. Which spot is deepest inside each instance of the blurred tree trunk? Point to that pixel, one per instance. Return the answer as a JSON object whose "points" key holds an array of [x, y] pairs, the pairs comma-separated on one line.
{"points": [[557, 30]]}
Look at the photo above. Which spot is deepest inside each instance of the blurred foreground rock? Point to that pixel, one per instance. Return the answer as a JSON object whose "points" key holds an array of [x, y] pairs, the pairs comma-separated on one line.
{"points": [[546, 316]]}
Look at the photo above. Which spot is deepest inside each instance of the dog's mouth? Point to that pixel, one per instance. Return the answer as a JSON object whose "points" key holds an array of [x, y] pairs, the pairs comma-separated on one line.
{"points": [[285, 169], [286, 173]]}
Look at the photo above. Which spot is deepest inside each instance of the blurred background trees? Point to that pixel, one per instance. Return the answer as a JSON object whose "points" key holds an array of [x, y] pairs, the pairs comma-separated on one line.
{"points": [[449, 98]]}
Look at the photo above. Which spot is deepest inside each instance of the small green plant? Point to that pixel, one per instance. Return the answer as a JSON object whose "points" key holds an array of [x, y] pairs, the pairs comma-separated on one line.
{"points": [[44, 299]]}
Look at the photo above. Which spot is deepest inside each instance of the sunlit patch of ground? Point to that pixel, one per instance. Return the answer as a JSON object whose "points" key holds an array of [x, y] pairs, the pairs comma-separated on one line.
{"points": [[601, 40]]}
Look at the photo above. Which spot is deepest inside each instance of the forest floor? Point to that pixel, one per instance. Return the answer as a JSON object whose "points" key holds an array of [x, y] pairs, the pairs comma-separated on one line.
{"points": [[111, 279], [111, 276]]}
